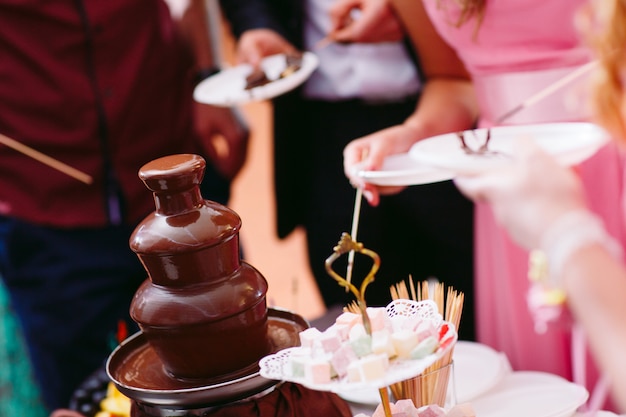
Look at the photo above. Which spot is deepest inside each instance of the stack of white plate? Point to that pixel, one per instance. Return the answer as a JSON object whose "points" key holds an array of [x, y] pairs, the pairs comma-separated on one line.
{"points": [[483, 377], [477, 369], [537, 394]]}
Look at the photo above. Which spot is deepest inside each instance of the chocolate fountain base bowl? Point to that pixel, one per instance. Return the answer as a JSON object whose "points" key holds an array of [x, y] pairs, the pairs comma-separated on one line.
{"points": [[137, 371]]}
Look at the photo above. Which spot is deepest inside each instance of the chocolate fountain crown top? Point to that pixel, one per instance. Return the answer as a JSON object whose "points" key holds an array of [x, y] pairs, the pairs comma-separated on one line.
{"points": [[183, 221]]}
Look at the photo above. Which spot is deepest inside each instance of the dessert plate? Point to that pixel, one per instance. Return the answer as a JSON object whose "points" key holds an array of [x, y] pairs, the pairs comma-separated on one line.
{"points": [[228, 87], [569, 143], [471, 359], [527, 393], [402, 170], [278, 366]]}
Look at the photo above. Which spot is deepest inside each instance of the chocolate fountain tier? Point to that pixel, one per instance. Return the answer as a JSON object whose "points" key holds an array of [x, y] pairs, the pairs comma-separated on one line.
{"points": [[138, 372], [202, 310]]}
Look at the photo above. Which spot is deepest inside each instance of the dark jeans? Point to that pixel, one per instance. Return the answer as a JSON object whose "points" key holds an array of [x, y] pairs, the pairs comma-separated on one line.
{"points": [[70, 289]]}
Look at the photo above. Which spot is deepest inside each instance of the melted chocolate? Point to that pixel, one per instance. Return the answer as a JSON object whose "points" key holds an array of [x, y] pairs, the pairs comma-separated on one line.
{"points": [[202, 310], [135, 364]]}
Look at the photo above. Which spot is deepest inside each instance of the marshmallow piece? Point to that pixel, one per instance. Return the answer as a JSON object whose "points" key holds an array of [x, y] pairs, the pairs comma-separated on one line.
{"points": [[363, 346], [373, 367], [462, 410], [426, 328], [329, 341], [378, 318], [432, 410], [342, 330], [297, 363], [379, 411], [317, 371], [309, 336], [353, 372], [425, 347], [347, 318], [342, 358], [404, 341], [406, 406], [381, 343], [357, 332]]}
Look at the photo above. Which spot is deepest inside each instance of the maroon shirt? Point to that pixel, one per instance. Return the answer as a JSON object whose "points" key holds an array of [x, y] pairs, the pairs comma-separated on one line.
{"points": [[102, 85]]}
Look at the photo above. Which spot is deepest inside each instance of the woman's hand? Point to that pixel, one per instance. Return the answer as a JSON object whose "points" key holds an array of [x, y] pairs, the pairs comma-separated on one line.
{"points": [[528, 195], [368, 153]]}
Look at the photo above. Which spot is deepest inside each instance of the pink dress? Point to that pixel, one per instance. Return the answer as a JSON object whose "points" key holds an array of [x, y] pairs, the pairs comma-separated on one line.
{"points": [[520, 47]]}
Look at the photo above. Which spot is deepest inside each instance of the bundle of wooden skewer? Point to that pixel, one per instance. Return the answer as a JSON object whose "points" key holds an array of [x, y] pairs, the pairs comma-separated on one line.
{"points": [[430, 387]]}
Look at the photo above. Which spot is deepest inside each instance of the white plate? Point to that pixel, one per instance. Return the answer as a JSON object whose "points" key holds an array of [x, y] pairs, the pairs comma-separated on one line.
{"points": [[402, 170], [278, 366], [570, 143], [368, 396], [536, 394], [477, 369], [228, 87]]}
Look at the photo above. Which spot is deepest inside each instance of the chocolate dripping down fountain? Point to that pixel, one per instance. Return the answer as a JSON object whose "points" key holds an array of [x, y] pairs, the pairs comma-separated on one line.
{"points": [[202, 311]]}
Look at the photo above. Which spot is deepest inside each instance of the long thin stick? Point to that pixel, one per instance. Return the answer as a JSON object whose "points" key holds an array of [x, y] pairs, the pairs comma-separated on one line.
{"points": [[384, 397], [547, 91], [45, 159], [323, 43], [355, 227]]}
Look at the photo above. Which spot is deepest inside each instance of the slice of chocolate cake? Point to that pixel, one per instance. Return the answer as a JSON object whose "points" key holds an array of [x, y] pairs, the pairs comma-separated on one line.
{"points": [[256, 78]]}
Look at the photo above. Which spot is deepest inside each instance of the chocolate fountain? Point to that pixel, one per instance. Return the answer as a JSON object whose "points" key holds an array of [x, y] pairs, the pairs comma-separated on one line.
{"points": [[202, 311]]}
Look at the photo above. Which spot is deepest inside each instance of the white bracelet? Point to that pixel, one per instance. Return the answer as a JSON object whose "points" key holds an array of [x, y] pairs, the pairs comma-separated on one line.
{"points": [[570, 232]]}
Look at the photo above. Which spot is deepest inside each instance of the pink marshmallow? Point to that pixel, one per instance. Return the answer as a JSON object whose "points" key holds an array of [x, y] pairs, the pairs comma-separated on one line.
{"points": [[348, 318], [308, 337], [431, 411], [330, 341], [317, 371], [462, 410], [378, 318], [342, 358]]}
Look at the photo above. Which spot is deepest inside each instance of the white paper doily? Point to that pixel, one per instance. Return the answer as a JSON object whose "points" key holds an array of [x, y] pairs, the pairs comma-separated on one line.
{"points": [[278, 365]]}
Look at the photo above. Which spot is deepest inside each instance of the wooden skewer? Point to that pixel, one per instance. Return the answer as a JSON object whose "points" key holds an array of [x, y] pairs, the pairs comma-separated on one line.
{"points": [[547, 91], [384, 397], [323, 43], [355, 227], [356, 214], [422, 388], [45, 159]]}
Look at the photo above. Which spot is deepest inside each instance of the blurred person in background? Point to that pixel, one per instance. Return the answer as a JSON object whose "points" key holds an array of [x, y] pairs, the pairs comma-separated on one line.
{"points": [[359, 88], [544, 206], [512, 49], [104, 87]]}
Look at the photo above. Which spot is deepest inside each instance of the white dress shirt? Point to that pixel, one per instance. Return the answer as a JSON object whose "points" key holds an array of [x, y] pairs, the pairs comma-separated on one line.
{"points": [[374, 72]]}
